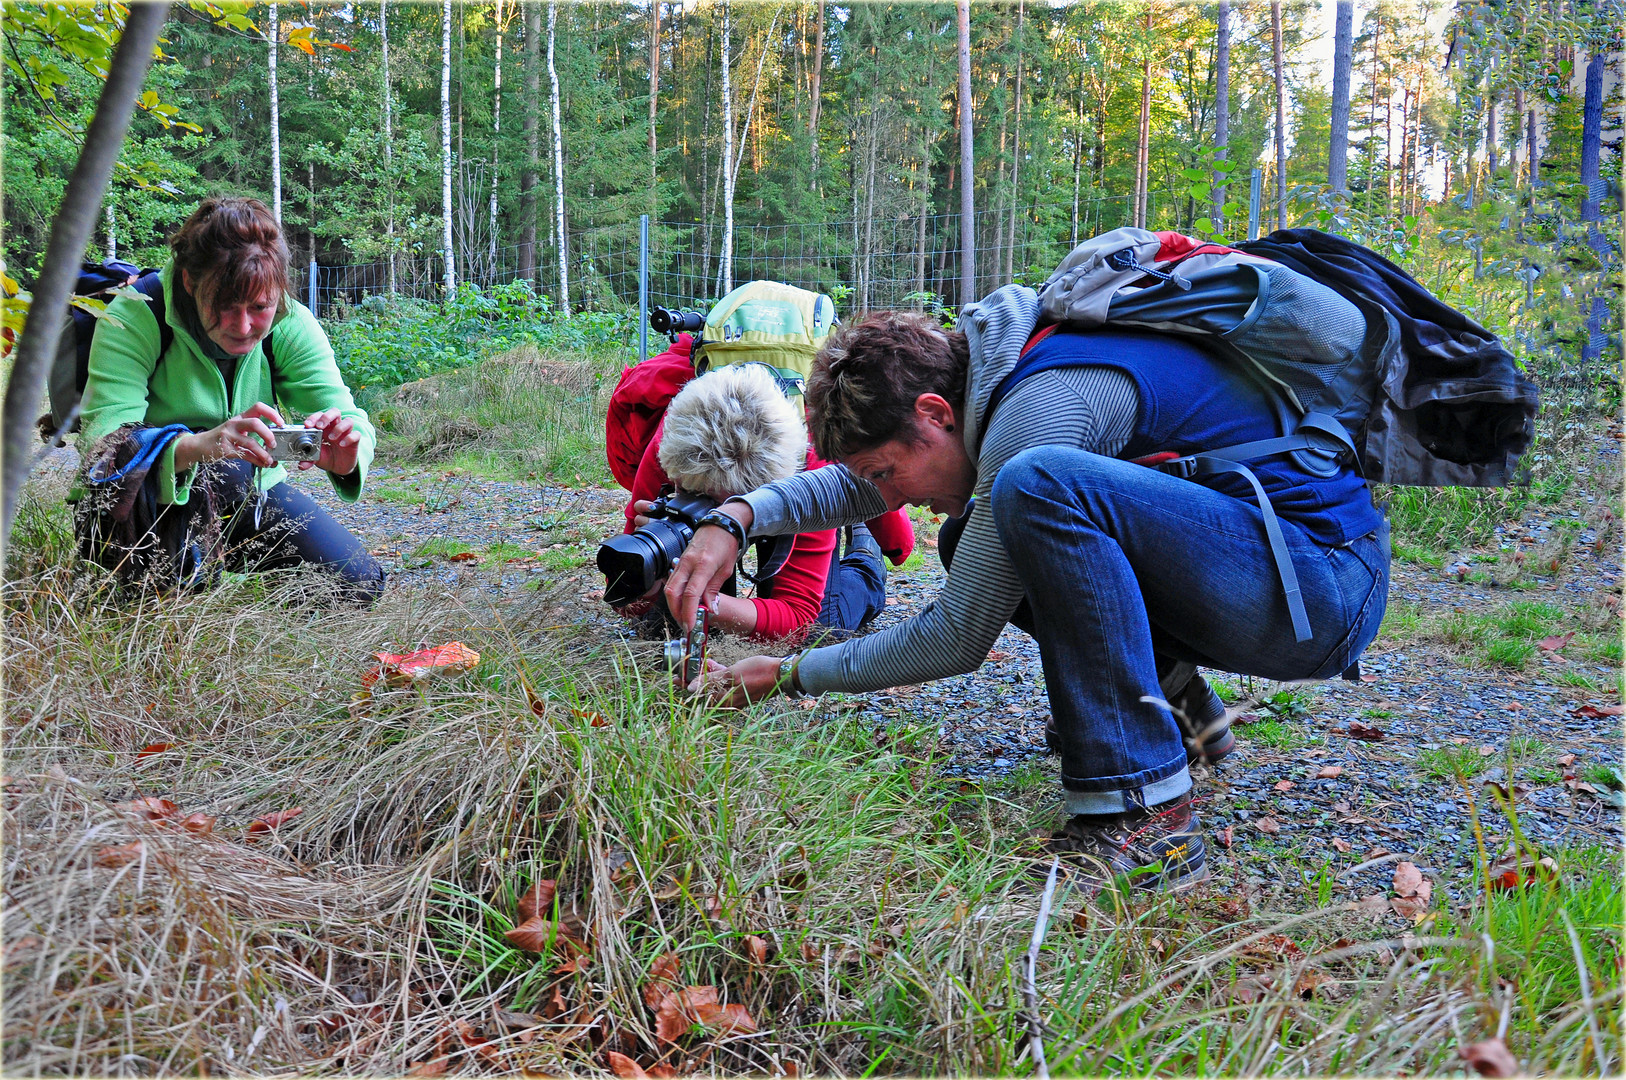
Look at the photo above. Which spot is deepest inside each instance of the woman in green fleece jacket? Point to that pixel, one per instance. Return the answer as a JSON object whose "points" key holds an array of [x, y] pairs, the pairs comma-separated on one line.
{"points": [[209, 372]]}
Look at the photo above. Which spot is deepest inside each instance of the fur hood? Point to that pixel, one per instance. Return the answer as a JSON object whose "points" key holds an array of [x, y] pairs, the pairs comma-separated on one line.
{"points": [[731, 431]]}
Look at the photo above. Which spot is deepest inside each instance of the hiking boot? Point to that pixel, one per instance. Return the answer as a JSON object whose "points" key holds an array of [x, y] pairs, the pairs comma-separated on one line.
{"points": [[860, 541], [1201, 716], [1159, 849]]}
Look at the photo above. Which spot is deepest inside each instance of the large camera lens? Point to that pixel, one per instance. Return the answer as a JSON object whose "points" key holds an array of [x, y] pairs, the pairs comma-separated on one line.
{"points": [[633, 562]]}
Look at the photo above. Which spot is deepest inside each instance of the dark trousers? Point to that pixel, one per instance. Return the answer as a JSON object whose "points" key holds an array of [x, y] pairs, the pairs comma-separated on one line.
{"points": [[854, 591], [292, 531]]}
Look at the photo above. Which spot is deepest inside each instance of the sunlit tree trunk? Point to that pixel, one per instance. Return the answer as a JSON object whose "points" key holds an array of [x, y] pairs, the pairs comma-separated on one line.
{"points": [[654, 93], [112, 234], [814, 94], [1281, 112], [276, 125], [1143, 142], [1078, 155], [968, 217], [450, 276], [533, 143], [559, 224], [496, 132], [1222, 108], [389, 144], [726, 265], [1343, 56]]}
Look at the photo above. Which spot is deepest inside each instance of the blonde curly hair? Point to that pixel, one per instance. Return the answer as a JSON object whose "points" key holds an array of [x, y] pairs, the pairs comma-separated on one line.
{"points": [[732, 430]]}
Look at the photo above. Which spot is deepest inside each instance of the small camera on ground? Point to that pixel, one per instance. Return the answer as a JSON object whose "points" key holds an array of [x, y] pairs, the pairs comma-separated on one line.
{"points": [[687, 654], [296, 443]]}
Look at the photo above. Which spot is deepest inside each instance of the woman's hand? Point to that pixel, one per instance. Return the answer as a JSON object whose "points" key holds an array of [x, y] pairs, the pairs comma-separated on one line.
{"points": [[245, 436], [640, 512], [756, 678], [706, 563], [341, 442]]}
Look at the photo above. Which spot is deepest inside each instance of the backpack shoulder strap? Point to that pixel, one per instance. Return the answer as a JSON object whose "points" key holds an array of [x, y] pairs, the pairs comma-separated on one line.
{"points": [[151, 286]]}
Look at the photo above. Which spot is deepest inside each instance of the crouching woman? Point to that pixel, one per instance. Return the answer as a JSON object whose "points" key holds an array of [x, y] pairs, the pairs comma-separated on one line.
{"points": [[179, 404]]}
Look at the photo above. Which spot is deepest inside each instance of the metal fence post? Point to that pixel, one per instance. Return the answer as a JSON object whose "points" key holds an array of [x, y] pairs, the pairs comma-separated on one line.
{"points": [[1253, 204], [643, 287], [313, 285]]}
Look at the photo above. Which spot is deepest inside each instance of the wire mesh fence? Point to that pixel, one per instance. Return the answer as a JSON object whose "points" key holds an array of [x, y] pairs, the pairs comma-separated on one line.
{"points": [[906, 261]]}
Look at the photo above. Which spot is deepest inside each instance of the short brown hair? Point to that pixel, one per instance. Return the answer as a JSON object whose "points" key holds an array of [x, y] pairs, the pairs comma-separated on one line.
{"points": [[234, 251], [864, 383]]}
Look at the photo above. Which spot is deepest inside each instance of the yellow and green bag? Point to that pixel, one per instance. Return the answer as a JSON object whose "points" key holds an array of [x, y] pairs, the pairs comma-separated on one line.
{"points": [[768, 322]]}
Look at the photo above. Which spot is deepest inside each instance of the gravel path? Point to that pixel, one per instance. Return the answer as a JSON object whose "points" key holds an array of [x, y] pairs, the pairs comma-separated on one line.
{"points": [[1332, 774]]}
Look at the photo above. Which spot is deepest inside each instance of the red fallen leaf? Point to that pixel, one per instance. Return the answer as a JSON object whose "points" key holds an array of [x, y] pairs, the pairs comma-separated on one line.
{"points": [[153, 748], [1340, 843], [463, 556], [537, 899], [482, 1047], [1329, 772], [1227, 837], [1308, 983], [726, 1019], [679, 1011], [997, 655], [199, 823], [595, 719], [663, 1072], [536, 934], [1412, 890], [1369, 678], [267, 822], [623, 1066], [756, 949], [151, 807], [404, 669], [1283, 785], [1358, 730], [123, 855], [1596, 712], [1553, 644], [1490, 1058]]}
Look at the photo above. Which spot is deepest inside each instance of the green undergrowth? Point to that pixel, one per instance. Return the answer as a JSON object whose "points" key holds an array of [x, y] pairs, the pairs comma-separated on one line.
{"points": [[523, 414], [867, 913]]}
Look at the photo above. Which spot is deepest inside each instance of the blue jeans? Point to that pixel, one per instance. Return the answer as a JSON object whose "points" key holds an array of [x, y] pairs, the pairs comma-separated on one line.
{"points": [[1122, 563], [854, 592]]}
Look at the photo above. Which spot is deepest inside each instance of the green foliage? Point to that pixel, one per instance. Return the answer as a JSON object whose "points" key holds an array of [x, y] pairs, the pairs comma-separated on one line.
{"points": [[386, 341]]}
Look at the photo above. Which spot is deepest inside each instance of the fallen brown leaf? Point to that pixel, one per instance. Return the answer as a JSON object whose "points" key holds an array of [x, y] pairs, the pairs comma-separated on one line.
{"points": [[1340, 843], [1250, 989], [678, 1012], [537, 899], [1227, 836], [1376, 905], [662, 1072], [1358, 730], [1490, 1058], [463, 556], [433, 1067], [756, 949], [537, 933], [1487, 751], [623, 1066], [1566, 760], [1283, 785], [122, 855], [1412, 890], [1596, 712], [726, 1019], [267, 822], [1268, 825], [151, 807], [153, 748], [1329, 772], [1342, 806], [1309, 982], [199, 823]]}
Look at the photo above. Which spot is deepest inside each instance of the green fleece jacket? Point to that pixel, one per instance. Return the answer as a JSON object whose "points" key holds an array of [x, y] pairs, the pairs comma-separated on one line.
{"points": [[127, 384]]}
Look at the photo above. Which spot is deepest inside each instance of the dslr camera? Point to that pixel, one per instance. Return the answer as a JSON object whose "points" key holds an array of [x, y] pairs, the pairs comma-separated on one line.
{"points": [[672, 323], [633, 562]]}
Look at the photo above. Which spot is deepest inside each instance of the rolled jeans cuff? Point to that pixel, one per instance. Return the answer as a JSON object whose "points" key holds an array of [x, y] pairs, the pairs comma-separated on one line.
{"points": [[1118, 794]]}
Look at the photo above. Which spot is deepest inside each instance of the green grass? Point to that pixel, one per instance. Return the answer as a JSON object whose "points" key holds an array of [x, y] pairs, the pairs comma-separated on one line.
{"points": [[1277, 734], [443, 547], [564, 558], [1602, 775], [1579, 679], [1421, 556], [399, 495], [1453, 762], [503, 551], [1435, 519]]}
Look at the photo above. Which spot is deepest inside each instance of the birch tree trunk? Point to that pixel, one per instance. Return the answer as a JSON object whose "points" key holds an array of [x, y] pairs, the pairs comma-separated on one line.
{"points": [[112, 234], [1281, 112], [1343, 56], [1222, 108], [496, 132], [389, 144], [450, 277], [1144, 143], [1016, 148], [968, 216], [71, 230], [1078, 156], [726, 263], [276, 125], [533, 144], [814, 94], [654, 93], [558, 173]]}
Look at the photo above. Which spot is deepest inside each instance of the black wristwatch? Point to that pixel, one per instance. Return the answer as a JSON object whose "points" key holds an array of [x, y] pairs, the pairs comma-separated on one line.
{"points": [[729, 524]]}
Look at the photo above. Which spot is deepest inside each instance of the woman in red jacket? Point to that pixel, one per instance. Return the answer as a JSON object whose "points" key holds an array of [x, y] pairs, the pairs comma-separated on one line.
{"points": [[733, 430]]}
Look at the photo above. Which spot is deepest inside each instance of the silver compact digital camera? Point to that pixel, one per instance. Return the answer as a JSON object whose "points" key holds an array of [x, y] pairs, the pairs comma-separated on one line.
{"points": [[296, 443]]}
